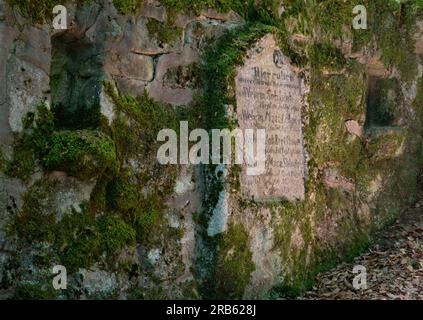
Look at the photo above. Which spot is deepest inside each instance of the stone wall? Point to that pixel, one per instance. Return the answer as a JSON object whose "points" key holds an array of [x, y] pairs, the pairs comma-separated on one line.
{"points": [[126, 227]]}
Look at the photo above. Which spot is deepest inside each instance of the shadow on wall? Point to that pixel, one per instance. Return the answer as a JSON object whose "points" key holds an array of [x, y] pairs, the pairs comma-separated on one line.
{"points": [[76, 82], [383, 95]]}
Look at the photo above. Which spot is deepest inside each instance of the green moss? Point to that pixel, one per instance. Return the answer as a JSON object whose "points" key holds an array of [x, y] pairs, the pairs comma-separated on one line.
{"points": [[219, 67], [233, 265], [127, 6], [146, 221], [114, 233], [35, 291], [122, 192], [135, 294], [98, 197], [140, 195], [82, 239], [3, 162], [333, 100], [39, 11], [83, 154], [391, 27], [394, 26], [145, 118], [164, 32], [43, 127], [252, 10], [23, 164], [325, 56], [78, 240], [385, 143], [29, 145], [35, 221]]}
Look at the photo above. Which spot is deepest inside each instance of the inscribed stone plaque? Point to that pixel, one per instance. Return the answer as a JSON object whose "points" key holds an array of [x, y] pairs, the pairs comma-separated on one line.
{"points": [[270, 96]]}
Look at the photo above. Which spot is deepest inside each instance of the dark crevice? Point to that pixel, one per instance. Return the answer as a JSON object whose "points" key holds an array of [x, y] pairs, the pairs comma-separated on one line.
{"points": [[76, 82], [381, 101]]}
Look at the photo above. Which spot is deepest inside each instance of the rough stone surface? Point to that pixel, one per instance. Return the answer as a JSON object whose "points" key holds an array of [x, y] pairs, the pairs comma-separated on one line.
{"points": [[7, 36], [266, 260], [219, 220], [184, 184], [354, 128], [333, 179], [142, 42], [98, 281], [11, 191], [107, 107], [153, 9], [101, 44], [213, 14], [133, 66], [69, 194], [160, 91], [28, 75], [419, 43]]}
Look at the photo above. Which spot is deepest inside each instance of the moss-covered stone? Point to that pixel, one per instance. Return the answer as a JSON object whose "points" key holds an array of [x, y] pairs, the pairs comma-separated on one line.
{"points": [[232, 266], [182, 77], [131, 192], [164, 32], [134, 131], [123, 192], [35, 221], [325, 56], [262, 10], [39, 11], [337, 93], [82, 239], [83, 154], [127, 6], [35, 291], [2, 160], [385, 143], [29, 145], [23, 164]]}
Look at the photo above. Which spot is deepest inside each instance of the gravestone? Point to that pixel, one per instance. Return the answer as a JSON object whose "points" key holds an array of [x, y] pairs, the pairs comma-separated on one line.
{"points": [[270, 96]]}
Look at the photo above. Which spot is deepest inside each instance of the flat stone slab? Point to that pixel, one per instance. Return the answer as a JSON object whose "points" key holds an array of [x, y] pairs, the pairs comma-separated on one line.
{"points": [[270, 96]]}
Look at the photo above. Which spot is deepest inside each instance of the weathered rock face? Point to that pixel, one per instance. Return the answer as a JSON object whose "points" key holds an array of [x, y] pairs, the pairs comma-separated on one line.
{"points": [[342, 150], [66, 70], [7, 36]]}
